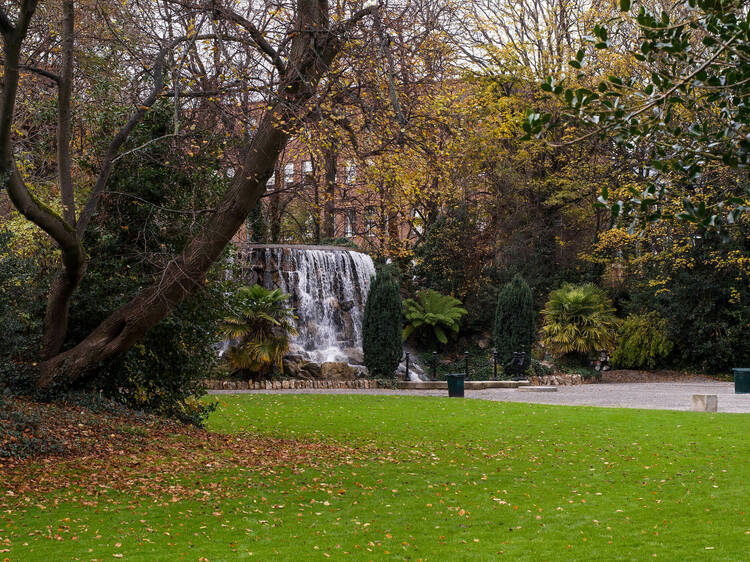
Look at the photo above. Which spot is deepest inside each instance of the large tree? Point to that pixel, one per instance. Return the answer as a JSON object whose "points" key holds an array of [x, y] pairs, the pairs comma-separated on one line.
{"points": [[284, 51]]}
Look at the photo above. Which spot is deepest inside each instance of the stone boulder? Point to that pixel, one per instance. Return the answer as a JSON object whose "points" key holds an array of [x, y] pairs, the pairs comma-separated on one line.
{"points": [[310, 370], [354, 355], [332, 370], [360, 371]]}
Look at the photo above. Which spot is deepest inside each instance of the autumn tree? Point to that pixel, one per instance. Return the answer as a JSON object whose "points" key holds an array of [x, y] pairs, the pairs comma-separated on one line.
{"points": [[287, 49]]}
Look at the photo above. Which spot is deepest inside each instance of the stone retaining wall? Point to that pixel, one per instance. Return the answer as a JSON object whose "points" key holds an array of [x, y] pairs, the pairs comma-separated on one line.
{"points": [[557, 380], [289, 384]]}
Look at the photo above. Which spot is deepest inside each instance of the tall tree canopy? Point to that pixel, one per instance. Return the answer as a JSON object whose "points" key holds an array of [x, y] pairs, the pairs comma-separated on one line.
{"points": [[272, 56]]}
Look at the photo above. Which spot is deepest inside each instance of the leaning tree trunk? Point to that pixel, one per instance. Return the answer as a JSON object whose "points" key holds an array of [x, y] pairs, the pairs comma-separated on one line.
{"points": [[312, 52]]}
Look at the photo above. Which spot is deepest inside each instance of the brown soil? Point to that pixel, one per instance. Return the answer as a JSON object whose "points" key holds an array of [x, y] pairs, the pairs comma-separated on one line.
{"points": [[630, 375]]}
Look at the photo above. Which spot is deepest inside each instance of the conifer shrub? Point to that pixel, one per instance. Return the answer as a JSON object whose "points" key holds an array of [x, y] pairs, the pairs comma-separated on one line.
{"points": [[642, 342], [381, 326], [514, 320]]}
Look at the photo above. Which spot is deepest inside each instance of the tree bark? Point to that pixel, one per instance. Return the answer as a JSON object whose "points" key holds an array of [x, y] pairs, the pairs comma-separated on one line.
{"points": [[63, 287], [64, 111], [329, 196]]}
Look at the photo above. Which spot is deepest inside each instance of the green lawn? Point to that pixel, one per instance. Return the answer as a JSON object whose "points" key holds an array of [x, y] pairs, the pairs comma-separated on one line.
{"points": [[431, 479]]}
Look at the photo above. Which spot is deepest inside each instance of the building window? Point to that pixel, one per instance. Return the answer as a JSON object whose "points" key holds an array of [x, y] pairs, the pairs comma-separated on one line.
{"points": [[370, 221], [307, 168], [350, 172], [288, 173], [351, 222]]}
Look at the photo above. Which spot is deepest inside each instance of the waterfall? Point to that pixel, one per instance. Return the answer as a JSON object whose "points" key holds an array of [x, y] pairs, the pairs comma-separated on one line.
{"points": [[328, 288]]}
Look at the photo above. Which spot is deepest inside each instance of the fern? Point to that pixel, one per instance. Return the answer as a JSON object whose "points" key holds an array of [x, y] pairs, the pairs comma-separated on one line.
{"points": [[432, 314]]}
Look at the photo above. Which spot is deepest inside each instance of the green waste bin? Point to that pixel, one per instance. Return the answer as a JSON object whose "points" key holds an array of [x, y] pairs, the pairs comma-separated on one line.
{"points": [[741, 381], [455, 385]]}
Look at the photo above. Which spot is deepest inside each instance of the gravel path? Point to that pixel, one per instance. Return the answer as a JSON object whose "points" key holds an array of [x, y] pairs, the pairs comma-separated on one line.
{"points": [[658, 396]]}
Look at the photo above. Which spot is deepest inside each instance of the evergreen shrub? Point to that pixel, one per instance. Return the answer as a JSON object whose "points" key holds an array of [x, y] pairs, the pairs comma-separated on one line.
{"points": [[642, 342], [514, 320], [381, 327], [579, 320]]}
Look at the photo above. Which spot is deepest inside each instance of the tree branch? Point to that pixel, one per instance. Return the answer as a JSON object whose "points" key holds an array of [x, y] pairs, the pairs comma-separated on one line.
{"points": [[256, 35], [46, 73], [64, 115], [122, 135]]}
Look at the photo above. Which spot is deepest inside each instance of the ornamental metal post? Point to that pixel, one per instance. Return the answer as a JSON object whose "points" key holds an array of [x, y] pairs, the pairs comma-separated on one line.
{"points": [[466, 363], [434, 365], [494, 364], [407, 365]]}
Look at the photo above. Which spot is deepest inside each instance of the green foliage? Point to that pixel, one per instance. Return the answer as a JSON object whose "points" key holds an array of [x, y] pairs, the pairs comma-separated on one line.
{"points": [[128, 242], [642, 342], [514, 320], [454, 257], [704, 295], [22, 284], [578, 320], [257, 225], [260, 322], [432, 316], [381, 326], [539, 369], [340, 242], [686, 109]]}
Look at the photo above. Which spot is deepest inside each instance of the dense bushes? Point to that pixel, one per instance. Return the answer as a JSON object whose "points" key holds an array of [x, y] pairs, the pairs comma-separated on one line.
{"points": [[128, 241], [455, 257], [22, 285], [578, 320], [381, 326], [642, 342], [701, 287], [514, 320]]}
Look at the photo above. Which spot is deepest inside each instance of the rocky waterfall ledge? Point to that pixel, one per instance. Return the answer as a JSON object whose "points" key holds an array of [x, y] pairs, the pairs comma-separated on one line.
{"points": [[328, 287]]}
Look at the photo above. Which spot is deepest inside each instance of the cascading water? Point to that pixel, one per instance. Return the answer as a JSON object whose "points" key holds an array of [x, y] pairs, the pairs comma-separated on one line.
{"points": [[328, 288]]}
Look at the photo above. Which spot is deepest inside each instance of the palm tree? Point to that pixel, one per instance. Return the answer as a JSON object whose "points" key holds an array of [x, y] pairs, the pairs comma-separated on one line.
{"points": [[578, 320], [432, 314], [260, 323]]}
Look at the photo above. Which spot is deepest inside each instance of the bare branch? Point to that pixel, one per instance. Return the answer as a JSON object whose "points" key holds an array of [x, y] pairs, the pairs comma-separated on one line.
{"points": [[41, 72], [256, 35], [164, 209], [122, 135], [386, 51], [141, 147]]}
